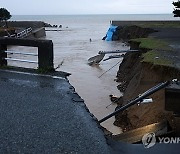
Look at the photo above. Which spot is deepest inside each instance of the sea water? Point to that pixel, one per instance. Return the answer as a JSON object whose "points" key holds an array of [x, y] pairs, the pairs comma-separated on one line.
{"points": [[72, 48]]}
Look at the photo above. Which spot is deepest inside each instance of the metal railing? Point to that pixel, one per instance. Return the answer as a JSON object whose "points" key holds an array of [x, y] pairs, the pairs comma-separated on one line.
{"points": [[21, 60], [24, 33], [137, 99], [21, 53], [21, 34]]}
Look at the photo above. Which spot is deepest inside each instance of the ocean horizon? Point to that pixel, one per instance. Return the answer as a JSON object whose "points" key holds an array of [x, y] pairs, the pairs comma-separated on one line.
{"points": [[109, 16]]}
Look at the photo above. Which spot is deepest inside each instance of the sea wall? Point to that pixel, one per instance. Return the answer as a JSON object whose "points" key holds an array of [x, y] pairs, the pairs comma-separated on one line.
{"points": [[128, 23], [39, 32], [25, 24], [38, 28]]}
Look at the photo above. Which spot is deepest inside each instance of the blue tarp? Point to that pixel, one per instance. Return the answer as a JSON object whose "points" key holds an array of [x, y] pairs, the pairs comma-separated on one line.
{"points": [[110, 33]]}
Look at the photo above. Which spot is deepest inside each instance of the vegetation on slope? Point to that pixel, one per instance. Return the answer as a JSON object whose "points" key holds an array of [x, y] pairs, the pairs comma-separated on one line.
{"points": [[155, 49]]}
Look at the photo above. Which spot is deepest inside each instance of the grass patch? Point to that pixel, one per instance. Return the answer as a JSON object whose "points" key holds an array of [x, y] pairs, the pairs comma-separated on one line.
{"points": [[155, 58], [152, 43], [6, 67], [165, 24], [156, 47]]}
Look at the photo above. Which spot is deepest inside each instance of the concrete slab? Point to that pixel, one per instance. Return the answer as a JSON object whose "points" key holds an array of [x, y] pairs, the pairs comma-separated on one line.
{"points": [[135, 135]]}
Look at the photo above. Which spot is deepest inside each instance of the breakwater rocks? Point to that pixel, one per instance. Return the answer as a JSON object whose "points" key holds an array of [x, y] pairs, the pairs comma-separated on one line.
{"points": [[49, 25]]}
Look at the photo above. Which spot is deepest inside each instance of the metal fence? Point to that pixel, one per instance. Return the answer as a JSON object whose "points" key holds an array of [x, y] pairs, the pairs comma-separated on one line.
{"points": [[21, 34], [21, 53]]}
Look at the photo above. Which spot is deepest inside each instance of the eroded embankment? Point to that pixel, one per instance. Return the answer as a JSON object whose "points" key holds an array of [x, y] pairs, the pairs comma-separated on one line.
{"points": [[136, 76]]}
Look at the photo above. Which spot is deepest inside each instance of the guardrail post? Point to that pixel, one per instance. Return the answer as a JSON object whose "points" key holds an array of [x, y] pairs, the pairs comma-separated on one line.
{"points": [[45, 55], [3, 54]]}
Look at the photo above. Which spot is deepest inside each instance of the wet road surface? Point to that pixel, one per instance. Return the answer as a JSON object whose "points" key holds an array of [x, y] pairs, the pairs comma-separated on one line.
{"points": [[41, 114]]}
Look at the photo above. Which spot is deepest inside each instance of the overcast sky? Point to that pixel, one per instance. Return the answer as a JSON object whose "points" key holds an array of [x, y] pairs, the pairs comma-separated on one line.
{"points": [[48, 7]]}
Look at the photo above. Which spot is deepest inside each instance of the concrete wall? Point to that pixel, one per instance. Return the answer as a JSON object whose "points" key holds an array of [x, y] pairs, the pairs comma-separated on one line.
{"points": [[45, 50], [25, 24], [37, 26], [124, 23], [40, 32]]}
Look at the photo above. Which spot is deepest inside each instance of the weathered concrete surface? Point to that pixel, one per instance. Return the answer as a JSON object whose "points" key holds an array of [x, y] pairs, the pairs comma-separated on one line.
{"points": [[40, 32], [135, 135], [37, 26], [41, 114]]}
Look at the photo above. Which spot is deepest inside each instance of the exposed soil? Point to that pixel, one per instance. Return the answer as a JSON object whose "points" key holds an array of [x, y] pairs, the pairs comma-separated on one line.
{"points": [[131, 32], [139, 78], [135, 77]]}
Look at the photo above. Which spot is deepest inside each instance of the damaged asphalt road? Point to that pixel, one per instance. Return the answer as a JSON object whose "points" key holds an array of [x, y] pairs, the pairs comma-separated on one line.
{"points": [[41, 114], [44, 114]]}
